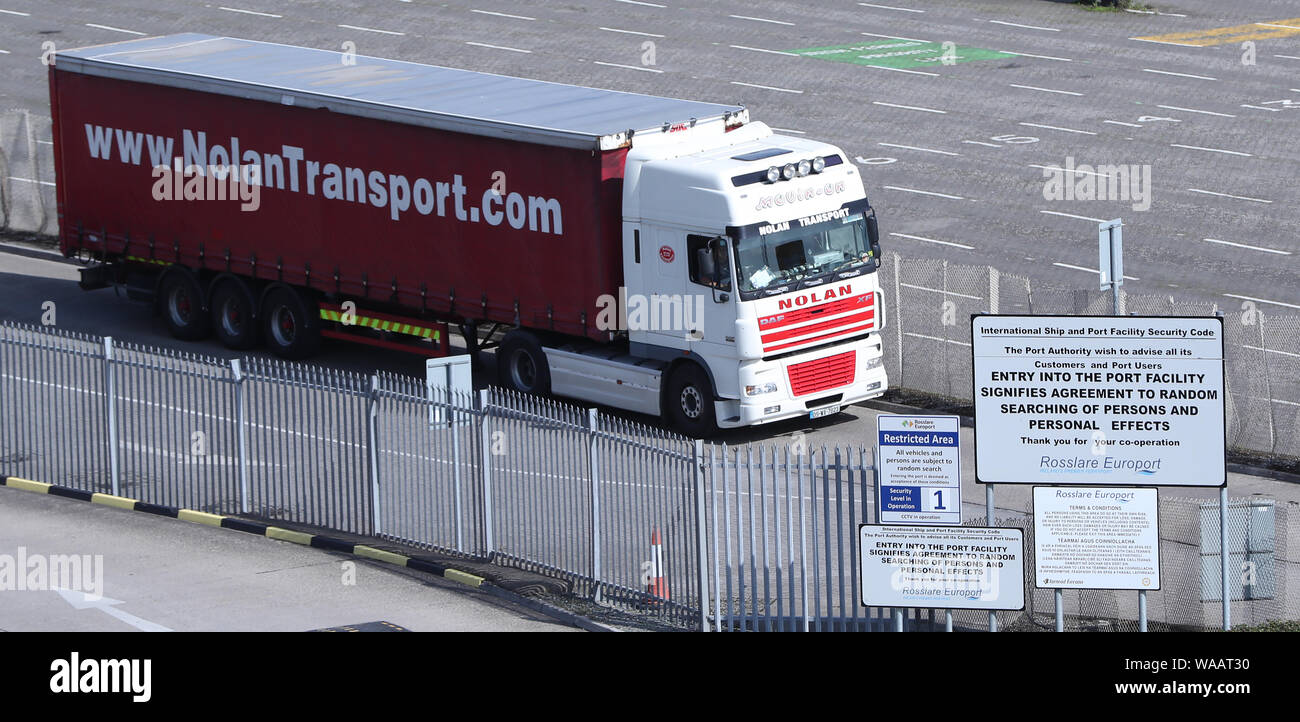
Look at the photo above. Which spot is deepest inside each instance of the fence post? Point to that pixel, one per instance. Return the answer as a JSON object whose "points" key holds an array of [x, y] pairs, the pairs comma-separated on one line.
{"points": [[241, 434], [701, 535], [110, 408], [372, 445], [593, 474], [453, 400], [485, 470], [995, 290], [1268, 383], [897, 317]]}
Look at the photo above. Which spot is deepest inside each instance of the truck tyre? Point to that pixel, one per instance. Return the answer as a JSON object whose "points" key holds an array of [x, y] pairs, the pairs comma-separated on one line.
{"points": [[521, 364], [689, 402], [181, 300], [290, 325], [234, 315]]}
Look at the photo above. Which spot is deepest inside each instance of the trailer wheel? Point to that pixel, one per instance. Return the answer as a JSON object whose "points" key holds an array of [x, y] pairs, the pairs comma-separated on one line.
{"points": [[689, 401], [182, 306], [233, 315], [521, 364], [290, 325]]}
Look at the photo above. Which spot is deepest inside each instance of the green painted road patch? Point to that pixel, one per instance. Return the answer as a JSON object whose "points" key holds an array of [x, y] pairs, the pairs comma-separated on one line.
{"points": [[901, 53]]}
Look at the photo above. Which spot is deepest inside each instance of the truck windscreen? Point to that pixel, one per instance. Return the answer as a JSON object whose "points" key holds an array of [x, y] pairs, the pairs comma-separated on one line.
{"points": [[774, 258]]}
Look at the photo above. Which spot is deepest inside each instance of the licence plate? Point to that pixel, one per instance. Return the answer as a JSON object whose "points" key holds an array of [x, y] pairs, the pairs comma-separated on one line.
{"points": [[818, 413]]}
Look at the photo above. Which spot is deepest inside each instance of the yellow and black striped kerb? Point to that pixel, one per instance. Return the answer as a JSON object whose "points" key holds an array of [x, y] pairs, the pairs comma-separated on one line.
{"points": [[251, 527]]}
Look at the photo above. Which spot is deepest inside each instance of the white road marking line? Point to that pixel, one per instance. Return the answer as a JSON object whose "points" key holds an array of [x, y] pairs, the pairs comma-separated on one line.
{"points": [[628, 67], [932, 240], [1288, 57], [1212, 150], [925, 193], [912, 147], [1276, 351], [497, 47], [939, 290], [1072, 170], [764, 50], [1089, 270], [761, 20], [371, 30], [29, 180], [980, 142], [1243, 245], [1275, 25], [1045, 90], [1119, 122], [1261, 300], [15, 12], [1031, 27], [1181, 75], [1256, 107], [891, 7], [638, 2], [250, 12], [1194, 110], [502, 15], [1225, 195], [788, 130], [1166, 42], [1071, 215], [909, 107], [903, 70], [1064, 130], [45, 142], [765, 87], [116, 30], [632, 32], [893, 37], [4, 52], [935, 338], [1031, 55]]}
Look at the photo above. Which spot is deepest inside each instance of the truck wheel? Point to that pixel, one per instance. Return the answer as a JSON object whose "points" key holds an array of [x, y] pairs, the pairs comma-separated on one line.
{"points": [[233, 315], [182, 306], [521, 364], [689, 402], [290, 325]]}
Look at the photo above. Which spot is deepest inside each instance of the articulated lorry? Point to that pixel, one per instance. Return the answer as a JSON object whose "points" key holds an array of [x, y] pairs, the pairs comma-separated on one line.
{"points": [[664, 256]]}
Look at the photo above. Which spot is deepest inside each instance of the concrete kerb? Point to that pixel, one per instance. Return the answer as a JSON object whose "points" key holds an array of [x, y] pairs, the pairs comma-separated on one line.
{"points": [[318, 541]]}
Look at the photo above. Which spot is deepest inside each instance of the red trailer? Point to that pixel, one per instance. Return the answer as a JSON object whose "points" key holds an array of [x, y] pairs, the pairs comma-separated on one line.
{"points": [[420, 194]]}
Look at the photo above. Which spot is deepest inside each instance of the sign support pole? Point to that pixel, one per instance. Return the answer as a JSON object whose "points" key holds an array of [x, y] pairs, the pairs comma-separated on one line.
{"points": [[1142, 610], [988, 505], [1223, 556], [1059, 598], [947, 620]]}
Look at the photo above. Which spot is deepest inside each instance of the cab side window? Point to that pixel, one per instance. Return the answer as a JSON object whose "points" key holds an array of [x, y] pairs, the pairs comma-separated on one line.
{"points": [[708, 267]]}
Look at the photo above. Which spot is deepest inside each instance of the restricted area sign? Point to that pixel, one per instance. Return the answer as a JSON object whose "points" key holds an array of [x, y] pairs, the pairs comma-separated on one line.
{"points": [[919, 458], [968, 567], [1126, 400], [1096, 538]]}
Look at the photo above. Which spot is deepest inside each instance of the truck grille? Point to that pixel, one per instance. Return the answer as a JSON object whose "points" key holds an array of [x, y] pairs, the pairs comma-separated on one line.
{"points": [[809, 377], [804, 327]]}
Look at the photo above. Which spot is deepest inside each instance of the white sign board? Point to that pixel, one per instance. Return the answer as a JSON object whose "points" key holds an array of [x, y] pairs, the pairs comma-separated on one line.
{"points": [[449, 385], [1096, 538], [1126, 400], [919, 458], [961, 567]]}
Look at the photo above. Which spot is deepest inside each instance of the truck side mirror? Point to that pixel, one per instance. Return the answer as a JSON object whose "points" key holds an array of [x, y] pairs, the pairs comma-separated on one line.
{"points": [[719, 268], [873, 237]]}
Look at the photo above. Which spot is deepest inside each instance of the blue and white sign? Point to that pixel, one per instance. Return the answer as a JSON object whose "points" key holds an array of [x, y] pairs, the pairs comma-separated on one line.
{"points": [[919, 458]]}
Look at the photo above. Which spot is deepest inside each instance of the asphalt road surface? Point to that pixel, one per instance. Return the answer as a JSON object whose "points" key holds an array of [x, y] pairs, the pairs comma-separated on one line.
{"points": [[166, 575], [953, 154]]}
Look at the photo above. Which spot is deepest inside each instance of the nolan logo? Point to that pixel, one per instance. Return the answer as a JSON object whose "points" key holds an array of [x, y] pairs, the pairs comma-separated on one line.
{"points": [[814, 297]]}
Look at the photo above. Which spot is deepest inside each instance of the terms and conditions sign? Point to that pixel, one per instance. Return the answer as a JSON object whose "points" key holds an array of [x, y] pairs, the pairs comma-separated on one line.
{"points": [[1096, 538], [1125, 400]]}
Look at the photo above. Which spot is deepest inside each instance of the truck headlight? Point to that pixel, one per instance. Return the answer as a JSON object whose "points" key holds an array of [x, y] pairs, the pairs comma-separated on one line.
{"points": [[760, 389], [874, 363]]}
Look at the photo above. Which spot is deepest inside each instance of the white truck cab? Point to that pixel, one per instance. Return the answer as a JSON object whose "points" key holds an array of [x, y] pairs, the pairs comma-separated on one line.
{"points": [[768, 246]]}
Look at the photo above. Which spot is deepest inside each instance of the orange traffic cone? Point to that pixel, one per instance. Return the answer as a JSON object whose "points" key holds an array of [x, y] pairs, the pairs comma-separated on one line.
{"points": [[658, 586]]}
